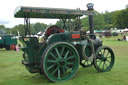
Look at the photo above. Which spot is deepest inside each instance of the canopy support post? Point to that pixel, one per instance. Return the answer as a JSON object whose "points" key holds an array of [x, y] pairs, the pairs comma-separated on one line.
{"points": [[26, 24]]}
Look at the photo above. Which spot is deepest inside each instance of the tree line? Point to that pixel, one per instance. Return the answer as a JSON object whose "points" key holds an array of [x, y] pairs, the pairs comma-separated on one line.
{"points": [[107, 20]]}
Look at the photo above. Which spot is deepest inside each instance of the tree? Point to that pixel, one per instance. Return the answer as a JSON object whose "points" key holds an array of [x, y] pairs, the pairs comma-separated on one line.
{"points": [[2, 27], [34, 28], [19, 28], [99, 22], [120, 18], [108, 19], [37, 27]]}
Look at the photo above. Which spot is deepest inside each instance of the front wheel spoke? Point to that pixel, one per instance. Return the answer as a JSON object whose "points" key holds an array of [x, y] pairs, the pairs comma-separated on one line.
{"points": [[103, 51], [100, 52], [107, 54], [108, 57], [98, 60], [105, 65], [70, 57], [55, 70], [51, 66], [58, 53], [66, 54], [108, 61], [85, 61], [100, 63], [99, 56]]}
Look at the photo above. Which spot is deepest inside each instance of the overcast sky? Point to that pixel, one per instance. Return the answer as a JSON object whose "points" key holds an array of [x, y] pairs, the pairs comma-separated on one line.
{"points": [[7, 8]]}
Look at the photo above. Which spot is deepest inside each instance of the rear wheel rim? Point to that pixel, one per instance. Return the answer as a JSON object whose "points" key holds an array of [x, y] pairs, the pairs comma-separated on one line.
{"points": [[104, 60], [61, 62]]}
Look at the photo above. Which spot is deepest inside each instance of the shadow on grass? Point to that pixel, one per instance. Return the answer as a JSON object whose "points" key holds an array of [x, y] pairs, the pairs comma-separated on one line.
{"points": [[41, 79]]}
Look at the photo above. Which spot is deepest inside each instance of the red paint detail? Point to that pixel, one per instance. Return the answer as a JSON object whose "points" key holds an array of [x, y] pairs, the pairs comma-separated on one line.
{"points": [[75, 36], [62, 30], [53, 29], [12, 47]]}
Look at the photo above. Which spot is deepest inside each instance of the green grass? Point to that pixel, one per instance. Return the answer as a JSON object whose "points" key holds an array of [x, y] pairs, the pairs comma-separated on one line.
{"points": [[12, 72]]}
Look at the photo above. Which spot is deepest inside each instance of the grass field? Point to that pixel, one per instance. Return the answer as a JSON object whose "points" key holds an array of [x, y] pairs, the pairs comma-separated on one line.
{"points": [[12, 72]]}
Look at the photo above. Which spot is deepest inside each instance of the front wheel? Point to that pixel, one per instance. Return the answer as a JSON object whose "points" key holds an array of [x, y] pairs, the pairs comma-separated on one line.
{"points": [[104, 59], [60, 61]]}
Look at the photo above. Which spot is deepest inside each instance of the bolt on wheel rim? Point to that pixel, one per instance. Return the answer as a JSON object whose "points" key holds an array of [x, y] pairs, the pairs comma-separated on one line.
{"points": [[61, 62]]}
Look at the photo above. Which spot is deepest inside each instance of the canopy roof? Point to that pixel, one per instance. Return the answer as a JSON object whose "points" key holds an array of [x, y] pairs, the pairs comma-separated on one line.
{"points": [[57, 13]]}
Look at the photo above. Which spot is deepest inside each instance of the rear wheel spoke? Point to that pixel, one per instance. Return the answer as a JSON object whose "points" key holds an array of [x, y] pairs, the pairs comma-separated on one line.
{"points": [[63, 69], [67, 67], [70, 63], [51, 66], [58, 73], [66, 54], [52, 55], [55, 70], [57, 52], [52, 61], [70, 57], [62, 50]]}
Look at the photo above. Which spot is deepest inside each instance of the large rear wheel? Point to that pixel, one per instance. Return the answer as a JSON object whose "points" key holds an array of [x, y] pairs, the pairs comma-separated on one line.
{"points": [[60, 61]]}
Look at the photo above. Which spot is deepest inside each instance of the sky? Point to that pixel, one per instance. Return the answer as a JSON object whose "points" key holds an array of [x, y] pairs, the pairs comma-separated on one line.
{"points": [[7, 8]]}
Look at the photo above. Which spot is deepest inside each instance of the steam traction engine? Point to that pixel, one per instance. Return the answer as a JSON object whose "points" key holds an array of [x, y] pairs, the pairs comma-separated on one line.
{"points": [[61, 51]]}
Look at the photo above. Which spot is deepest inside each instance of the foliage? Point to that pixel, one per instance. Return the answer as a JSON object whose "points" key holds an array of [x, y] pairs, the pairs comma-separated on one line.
{"points": [[18, 28], [99, 22], [37, 27], [108, 19], [2, 27], [34, 28], [120, 18]]}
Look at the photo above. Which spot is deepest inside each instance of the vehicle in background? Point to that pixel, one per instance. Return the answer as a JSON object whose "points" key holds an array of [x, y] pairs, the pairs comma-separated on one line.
{"points": [[8, 42]]}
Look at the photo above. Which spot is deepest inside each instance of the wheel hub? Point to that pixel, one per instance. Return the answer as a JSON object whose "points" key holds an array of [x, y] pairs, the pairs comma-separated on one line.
{"points": [[61, 62], [103, 58]]}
